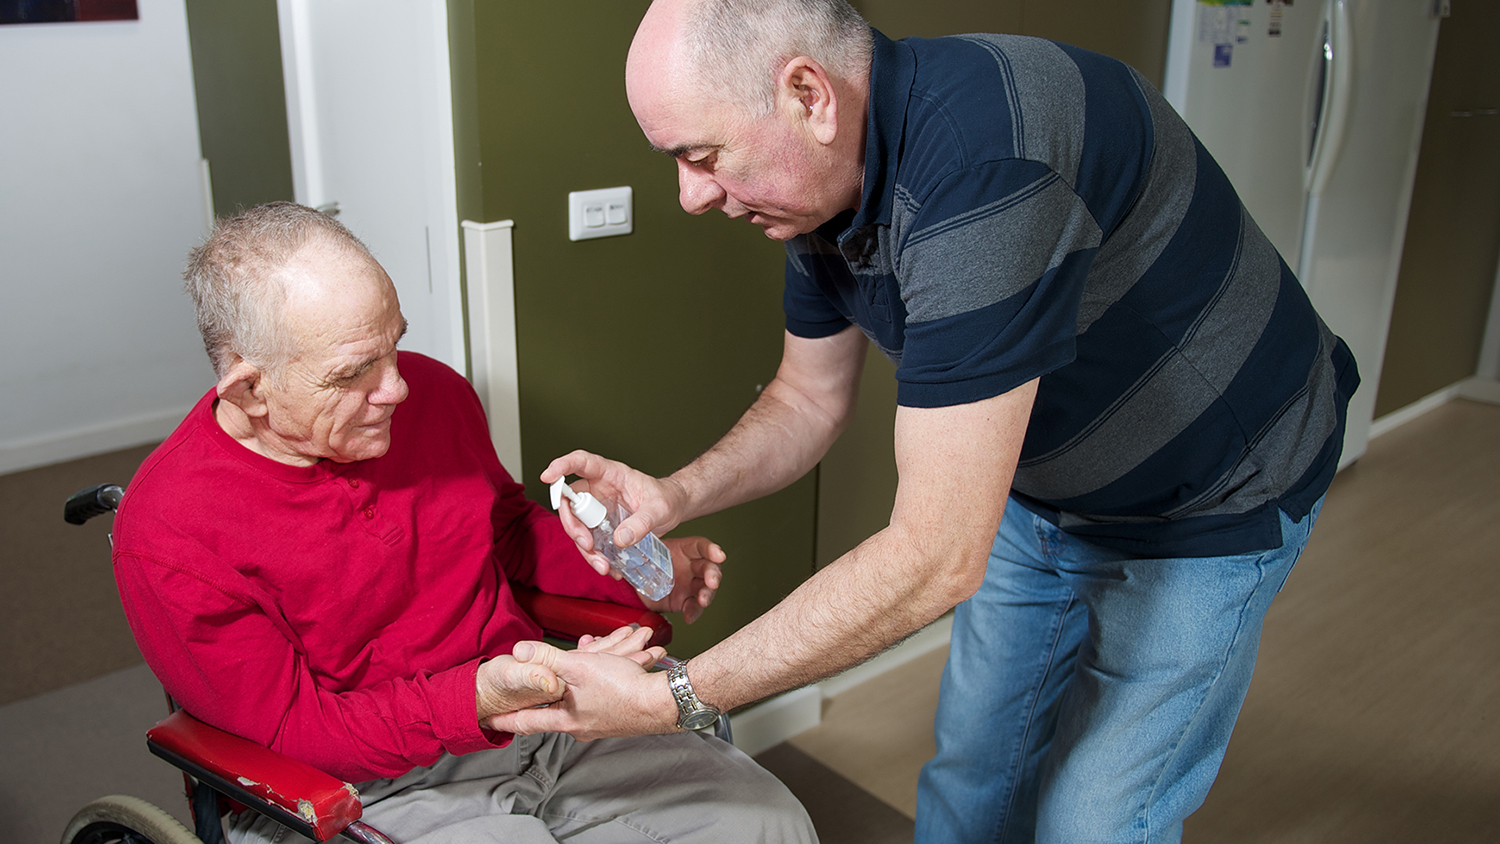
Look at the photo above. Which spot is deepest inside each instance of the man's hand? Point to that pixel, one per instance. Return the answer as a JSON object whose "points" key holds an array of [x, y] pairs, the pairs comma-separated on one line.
{"points": [[505, 684], [607, 691], [695, 577], [655, 504], [526, 677]]}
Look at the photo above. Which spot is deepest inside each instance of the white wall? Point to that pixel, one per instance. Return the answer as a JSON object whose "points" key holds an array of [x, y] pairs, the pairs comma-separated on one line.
{"points": [[100, 200]]}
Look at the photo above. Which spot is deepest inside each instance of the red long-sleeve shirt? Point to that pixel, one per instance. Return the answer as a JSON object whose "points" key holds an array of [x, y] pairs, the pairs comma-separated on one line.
{"points": [[338, 612]]}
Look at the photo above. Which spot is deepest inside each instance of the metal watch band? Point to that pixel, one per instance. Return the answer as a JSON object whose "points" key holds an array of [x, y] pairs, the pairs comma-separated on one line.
{"points": [[692, 713]]}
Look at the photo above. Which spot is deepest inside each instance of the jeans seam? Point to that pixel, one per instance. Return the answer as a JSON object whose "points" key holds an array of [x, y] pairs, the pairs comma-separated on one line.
{"points": [[1018, 763], [1187, 724]]}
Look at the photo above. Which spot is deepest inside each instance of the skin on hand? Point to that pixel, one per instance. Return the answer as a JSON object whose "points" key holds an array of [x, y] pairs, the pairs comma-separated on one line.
{"points": [[603, 677], [617, 661], [505, 684], [695, 560], [527, 678]]}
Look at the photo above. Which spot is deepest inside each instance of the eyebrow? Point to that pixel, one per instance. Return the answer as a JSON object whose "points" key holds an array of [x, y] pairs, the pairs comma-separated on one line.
{"points": [[681, 149]]}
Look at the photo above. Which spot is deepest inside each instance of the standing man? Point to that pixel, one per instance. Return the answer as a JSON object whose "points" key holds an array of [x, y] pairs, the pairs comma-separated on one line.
{"points": [[1118, 410]]}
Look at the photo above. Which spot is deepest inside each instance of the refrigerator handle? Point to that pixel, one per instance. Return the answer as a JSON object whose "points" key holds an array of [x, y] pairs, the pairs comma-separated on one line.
{"points": [[1333, 117], [1336, 111]]}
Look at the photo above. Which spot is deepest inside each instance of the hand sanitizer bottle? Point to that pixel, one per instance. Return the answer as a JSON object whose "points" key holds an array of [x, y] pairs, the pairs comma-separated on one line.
{"points": [[647, 565]]}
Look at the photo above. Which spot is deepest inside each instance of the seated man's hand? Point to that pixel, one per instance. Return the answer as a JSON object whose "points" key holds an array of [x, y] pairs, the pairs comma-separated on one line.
{"points": [[695, 577], [604, 677], [506, 684]]}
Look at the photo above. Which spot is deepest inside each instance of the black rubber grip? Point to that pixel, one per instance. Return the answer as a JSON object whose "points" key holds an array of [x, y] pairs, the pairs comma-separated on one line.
{"points": [[94, 501]]}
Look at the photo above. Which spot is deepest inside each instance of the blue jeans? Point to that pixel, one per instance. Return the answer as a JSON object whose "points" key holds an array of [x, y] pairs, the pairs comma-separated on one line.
{"points": [[1089, 694]]}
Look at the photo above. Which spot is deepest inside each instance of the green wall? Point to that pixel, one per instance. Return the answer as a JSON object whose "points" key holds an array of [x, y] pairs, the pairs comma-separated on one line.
{"points": [[646, 347], [242, 123]]}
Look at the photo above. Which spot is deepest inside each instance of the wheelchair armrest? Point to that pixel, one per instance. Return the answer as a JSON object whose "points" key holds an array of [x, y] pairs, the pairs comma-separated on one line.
{"points": [[569, 618], [293, 793]]}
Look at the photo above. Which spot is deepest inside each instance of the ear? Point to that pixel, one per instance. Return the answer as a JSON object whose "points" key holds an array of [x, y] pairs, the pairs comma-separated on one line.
{"points": [[244, 386], [805, 90]]}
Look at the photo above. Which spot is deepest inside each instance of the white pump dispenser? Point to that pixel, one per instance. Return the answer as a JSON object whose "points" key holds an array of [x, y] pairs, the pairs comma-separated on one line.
{"points": [[647, 565]]}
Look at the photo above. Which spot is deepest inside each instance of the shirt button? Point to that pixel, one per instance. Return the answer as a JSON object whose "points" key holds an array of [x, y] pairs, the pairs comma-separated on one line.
{"points": [[369, 512], [354, 483]]}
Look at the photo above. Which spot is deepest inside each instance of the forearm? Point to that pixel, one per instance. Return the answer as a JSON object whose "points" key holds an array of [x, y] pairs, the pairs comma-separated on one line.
{"points": [[856, 607], [956, 466], [785, 432], [770, 447]]}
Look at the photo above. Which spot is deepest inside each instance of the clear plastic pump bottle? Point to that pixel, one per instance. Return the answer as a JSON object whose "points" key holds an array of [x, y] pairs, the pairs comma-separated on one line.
{"points": [[647, 565]]}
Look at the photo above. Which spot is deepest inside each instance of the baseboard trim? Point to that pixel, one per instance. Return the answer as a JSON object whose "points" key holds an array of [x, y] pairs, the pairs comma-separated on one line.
{"points": [[44, 451], [773, 721], [1475, 388], [1480, 389]]}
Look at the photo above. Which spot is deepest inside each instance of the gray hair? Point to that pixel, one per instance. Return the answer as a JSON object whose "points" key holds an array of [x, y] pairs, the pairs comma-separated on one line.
{"points": [[237, 289], [737, 46]]}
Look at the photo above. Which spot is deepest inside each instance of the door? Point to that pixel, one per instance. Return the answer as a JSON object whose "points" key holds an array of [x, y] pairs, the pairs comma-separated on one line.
{"points": [[371, 125], [1443, 298]]}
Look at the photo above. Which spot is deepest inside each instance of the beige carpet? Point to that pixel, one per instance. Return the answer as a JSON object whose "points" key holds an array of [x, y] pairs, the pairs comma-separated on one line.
{"points": [[60, 616]]}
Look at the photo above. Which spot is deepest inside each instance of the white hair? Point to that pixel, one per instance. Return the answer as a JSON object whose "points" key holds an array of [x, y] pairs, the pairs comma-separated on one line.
{"points": [[237, 290], [736, 47]]}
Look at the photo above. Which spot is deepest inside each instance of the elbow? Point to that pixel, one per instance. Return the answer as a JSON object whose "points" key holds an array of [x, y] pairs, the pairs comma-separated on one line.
{"points": [[969, 575], [958, 575]]}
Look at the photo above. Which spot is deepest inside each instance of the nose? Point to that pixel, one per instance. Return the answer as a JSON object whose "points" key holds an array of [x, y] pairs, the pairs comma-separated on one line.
{"points": [[698, 192], [392, 389]]}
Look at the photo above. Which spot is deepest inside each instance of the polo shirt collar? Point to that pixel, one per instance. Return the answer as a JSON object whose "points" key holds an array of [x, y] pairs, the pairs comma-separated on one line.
{"points": [[893, 67]]}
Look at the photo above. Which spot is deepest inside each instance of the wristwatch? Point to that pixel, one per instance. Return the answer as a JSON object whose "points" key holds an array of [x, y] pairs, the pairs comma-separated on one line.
{"points": [[692, 713]]}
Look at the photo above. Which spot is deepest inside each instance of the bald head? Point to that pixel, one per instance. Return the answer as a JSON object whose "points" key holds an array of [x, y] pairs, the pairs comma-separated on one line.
{"points": [[731, 51]]}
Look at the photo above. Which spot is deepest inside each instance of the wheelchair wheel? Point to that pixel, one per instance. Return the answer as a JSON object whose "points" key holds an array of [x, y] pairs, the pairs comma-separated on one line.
{"points": [[121, 819]]}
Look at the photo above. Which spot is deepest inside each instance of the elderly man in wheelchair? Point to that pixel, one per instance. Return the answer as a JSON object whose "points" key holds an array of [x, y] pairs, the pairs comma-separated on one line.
{"points": [[320, 559]]}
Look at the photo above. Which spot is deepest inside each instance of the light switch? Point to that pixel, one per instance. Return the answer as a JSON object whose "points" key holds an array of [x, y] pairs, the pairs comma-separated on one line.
{"points": [[599, 213]]}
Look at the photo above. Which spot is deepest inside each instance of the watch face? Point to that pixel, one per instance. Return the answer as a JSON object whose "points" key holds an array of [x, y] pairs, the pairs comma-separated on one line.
{"points": [[698, 720]]}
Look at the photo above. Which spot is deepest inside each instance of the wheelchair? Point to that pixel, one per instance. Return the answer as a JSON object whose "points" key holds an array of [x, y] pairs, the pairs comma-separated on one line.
{"points": [[225, 773]]}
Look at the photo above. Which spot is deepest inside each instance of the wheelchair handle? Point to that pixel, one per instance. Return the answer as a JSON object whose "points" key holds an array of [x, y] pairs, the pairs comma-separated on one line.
{"points": [[94, 501]]}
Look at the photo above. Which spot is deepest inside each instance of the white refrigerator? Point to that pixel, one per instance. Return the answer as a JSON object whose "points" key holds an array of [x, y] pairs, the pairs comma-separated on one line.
{"points": [[1314, 108]]}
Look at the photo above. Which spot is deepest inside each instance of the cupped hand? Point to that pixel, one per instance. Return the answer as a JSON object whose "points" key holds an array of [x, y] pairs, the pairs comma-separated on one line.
{"points": [[629, 642], [696, 577]]}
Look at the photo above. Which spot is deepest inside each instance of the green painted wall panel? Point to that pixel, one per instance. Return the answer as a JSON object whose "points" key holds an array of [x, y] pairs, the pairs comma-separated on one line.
{"points": [[646, 347], [242, 124]]}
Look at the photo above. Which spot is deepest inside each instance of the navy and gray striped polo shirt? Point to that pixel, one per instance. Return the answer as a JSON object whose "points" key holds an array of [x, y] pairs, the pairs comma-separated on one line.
{"points": [[1031, 210]]}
